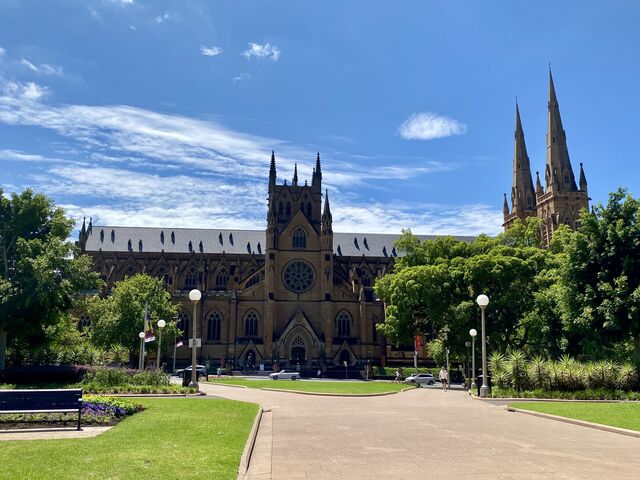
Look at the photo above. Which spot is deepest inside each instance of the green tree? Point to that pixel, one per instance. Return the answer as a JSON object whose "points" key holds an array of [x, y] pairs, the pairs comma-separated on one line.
{"points": [[601, 277], [118, 318], [41, 273]]}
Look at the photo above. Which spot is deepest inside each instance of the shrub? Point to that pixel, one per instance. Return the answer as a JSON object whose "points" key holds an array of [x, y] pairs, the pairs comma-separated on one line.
{"points": [[515, 368], [538, 372], [627, 377]]}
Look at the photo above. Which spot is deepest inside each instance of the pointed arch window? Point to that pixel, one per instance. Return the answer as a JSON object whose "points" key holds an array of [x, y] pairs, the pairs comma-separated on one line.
{"points": [[163, 274], [183, 324], [222, 278], [213, 326], [299, 238], [280, 208], [343, 324], [191, 279], [251, 323], [309, 210], [288, 208]]}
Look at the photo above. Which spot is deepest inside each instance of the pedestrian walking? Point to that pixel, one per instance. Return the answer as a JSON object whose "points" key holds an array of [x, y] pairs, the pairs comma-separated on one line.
{"points": [[219, 373], [444, 379], [397, 380]]}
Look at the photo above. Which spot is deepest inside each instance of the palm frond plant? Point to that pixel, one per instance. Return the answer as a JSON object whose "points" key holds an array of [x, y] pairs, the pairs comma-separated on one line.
{"points": [[627, 377], [516, 369], [539, 372]]}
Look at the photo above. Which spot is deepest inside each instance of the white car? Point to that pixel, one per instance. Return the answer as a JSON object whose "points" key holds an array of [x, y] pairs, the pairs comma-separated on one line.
{"points": [[284, 375], [421, 379]]}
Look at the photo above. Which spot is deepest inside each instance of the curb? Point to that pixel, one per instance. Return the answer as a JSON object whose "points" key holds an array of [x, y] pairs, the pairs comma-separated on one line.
{"points": [[559, 400], [325, 394], [573, 421], [150, 395], [227, 385], [243, 468]]}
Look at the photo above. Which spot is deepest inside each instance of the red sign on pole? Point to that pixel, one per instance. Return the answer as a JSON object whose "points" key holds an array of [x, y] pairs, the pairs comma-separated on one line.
{"points": [[418, 343]]}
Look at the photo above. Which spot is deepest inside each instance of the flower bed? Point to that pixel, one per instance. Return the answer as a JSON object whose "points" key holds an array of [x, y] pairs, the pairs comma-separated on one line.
{"points": [[124, 380], [96, 410]]}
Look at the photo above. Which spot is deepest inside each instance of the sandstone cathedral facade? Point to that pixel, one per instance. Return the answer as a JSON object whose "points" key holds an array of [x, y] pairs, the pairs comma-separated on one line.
{"points": [[561, 200], [298, 293], [295, 293]]}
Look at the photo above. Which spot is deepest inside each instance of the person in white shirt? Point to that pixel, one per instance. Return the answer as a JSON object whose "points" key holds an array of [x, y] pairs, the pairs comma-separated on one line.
{"points": [[444, 378]]}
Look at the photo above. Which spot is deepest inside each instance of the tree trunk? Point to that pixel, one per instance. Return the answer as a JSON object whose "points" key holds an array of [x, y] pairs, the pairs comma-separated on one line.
{"points": [[3, 347]]}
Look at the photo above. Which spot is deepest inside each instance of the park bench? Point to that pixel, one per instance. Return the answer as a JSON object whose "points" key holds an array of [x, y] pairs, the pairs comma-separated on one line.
{"points": [[42, 401]]}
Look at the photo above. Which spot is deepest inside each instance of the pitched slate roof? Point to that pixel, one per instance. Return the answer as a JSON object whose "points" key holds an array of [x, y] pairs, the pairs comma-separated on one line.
{"points": [[186, 240]]}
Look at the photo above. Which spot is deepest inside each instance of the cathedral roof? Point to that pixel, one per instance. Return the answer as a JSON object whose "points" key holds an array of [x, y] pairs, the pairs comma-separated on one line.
{"points": [[210, 241]]}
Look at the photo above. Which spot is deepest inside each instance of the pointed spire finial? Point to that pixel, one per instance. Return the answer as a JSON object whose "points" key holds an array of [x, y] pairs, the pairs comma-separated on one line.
{"points": [[83, 230], [326, 213], [538, 184], [295, 175], [583, 179], [272, 170], [505, 206]]}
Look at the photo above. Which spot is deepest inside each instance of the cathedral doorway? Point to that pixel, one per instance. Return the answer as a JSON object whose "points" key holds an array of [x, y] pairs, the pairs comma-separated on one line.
{"points": [[345, 357], [298, 355]]}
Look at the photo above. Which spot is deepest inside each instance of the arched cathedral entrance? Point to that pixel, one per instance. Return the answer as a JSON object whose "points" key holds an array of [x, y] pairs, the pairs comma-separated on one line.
{"points": [[298, 350]]}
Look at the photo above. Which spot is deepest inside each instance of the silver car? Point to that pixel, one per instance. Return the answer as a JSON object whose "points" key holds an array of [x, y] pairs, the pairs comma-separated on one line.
{"points": [[284, 375], [421, 379]]}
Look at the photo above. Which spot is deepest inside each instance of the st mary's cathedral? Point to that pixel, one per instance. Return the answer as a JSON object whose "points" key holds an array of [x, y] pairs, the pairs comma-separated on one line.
{"points": [[298, 292], [561, 200]]}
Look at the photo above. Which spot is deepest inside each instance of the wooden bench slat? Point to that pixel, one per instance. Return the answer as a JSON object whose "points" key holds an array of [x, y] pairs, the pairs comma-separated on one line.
{"points": [[68, 410], [42, 401]]}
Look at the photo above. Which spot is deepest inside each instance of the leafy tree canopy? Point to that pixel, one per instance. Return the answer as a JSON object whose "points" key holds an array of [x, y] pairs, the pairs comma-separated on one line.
{"points": [[40, 271]]}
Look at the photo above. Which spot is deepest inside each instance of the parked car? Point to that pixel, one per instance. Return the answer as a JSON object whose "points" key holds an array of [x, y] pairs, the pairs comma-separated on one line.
{"points": [[421, 379], [285, 375], [200, 369]]}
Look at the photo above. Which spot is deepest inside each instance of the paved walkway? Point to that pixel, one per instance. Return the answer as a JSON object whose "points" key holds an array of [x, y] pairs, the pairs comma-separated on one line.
{"points": [[425, 434], [51, 433]]}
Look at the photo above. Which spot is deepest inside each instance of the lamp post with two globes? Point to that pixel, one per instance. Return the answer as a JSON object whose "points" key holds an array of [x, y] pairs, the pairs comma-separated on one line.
{"points": [[194, 296], [482, 302], [473, 334]]}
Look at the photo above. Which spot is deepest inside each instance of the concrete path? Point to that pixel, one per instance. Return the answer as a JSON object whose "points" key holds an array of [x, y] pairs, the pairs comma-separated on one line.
{"points": [[425, 434], [51, 433]]}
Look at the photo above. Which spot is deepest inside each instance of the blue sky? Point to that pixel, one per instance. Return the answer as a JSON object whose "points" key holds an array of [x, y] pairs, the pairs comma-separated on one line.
{"points": [[164, 113]]}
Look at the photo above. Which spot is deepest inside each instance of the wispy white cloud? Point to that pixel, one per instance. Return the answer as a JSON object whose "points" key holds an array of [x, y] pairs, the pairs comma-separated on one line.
{"points": [[162, 18], [204, 174], [120, 2], [20, 91], [262, 51], [211, 51], [241, 77], [428, 126], [3, 52], [42, 69]]}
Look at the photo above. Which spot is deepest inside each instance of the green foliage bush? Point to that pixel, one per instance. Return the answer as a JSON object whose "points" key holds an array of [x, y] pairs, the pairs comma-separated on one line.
{"points": [[515, 372]]}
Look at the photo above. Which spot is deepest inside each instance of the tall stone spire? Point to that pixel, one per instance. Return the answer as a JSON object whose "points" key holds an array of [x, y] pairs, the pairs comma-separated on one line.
{"points": [[327, 219], [316, 180], [522, 196], [559, 174], [272, 171], [294, 182]]}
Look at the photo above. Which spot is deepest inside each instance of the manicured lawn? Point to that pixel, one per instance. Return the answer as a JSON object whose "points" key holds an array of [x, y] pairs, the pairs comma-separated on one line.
{"points": [[184, 438], [353, 388], [623, 415]]}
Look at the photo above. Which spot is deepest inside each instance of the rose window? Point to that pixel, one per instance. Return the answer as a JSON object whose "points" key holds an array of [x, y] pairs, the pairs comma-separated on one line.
{"points": [[298, 276]]}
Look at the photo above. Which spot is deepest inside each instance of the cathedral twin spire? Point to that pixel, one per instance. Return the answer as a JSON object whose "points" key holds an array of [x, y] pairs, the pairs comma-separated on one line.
{"points": [[559, 177]]}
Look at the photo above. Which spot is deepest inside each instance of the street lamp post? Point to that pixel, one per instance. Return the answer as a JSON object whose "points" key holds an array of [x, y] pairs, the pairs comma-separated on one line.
{"points": [[141, 360], [473, 334], [482, 302], [467, 365], [194, 296], [161, 325]]}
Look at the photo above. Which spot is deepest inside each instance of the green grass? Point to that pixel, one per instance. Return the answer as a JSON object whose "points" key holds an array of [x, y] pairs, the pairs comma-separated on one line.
{"points": [[623, 415], [352, 388], [193, 438]]}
